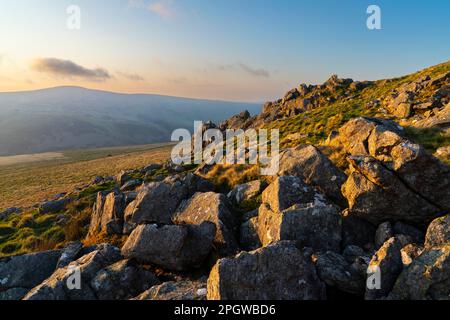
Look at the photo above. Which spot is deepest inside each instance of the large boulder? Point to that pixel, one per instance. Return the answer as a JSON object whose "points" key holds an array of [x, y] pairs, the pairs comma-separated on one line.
{"points": [[315, 226], [414, 168], [107, 216], [176, 290], [377, 194], [156, 202], [426, 278], [384, 268], [19, 274], [62, 284], [291, 210], [335, 271], [438, 232], [286, 191], [172, 247], [280, 271], [308, 163], [215, 208], [122, 280]]}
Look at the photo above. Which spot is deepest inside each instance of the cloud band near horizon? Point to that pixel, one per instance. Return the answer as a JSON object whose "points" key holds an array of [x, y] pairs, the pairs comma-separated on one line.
{"points": [[68, 69]]}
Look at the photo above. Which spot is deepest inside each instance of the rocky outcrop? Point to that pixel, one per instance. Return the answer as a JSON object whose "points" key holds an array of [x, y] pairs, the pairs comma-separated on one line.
{"points": [[176, 290], [156, 202], [239, 121], [308, 163], [19, 274], [278, 272], [215, 208], [107, 215], [291, 210], [172, 247], [421, 101]]}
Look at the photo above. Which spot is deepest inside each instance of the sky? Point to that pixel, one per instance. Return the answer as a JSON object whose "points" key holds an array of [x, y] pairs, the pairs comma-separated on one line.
{"points": [[240, 50]]}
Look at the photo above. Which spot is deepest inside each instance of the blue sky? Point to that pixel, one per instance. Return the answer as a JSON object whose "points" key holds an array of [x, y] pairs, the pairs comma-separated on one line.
{"points": [[252, 50]]}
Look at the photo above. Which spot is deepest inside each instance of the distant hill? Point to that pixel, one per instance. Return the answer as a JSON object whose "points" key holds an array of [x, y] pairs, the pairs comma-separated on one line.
{"points": [[72, 118]]}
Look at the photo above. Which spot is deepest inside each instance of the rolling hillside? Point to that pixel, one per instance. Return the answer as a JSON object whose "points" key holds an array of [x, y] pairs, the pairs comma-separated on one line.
{"points": [[76, 118]]}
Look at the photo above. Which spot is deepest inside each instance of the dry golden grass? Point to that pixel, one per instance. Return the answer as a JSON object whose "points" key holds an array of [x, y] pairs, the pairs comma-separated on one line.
{"points": [[24, 185]]}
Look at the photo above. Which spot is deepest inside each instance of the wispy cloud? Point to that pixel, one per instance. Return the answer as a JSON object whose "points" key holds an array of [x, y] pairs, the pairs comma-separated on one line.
{"points": [[163, 8], [68, 69], [131, 76], [255, 72]]}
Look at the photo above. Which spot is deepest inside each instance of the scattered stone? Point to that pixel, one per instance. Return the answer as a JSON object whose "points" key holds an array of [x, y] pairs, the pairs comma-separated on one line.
{"points": [[172, 247], [280, 271]]}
